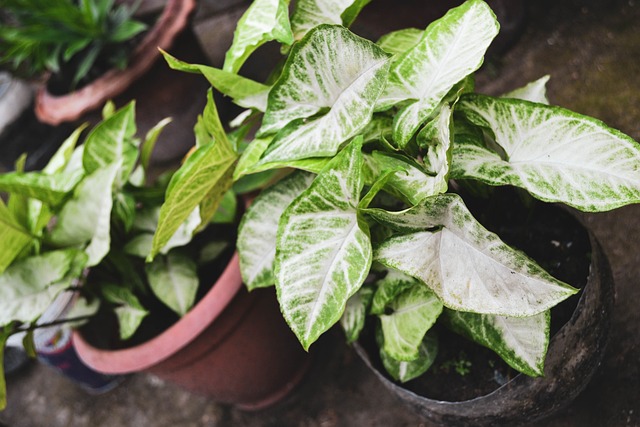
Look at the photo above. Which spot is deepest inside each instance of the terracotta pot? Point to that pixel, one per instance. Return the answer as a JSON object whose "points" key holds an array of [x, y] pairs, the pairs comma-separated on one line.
{"points": [[54, 110], [574, 354], [233, 346]]}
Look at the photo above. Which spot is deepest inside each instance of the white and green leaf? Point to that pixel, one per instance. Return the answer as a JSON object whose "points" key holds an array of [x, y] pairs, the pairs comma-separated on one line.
{"points": [[333, 73], [355, 314], [450, 49], [555, 154], [389, 288], [323, 250], [174, 280], [413, 313], [404, 371], [51, 189], [520, 341], [264, 20], [535, 91], [399, 42], [129, 312], [257, 232], [311, 13], [468, 267]]}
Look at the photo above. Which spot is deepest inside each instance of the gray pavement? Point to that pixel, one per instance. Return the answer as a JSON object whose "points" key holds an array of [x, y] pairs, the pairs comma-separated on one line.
{"points": [[591, 49]]}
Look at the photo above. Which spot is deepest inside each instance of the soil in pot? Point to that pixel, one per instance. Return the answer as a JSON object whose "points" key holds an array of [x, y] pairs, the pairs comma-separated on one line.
{"points": [[464, 370]]}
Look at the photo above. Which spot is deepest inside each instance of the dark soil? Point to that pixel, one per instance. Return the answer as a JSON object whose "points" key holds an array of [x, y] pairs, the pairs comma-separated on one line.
{"points": [[464, 370]]}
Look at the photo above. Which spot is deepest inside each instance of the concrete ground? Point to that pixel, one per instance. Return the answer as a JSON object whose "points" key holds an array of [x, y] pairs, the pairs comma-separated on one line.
{"points": [[591, 49]]}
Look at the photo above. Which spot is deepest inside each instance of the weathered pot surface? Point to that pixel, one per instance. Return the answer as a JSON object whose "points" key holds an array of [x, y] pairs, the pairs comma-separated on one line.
{"points": [[54, 110], [574, 354], [233, 346]]}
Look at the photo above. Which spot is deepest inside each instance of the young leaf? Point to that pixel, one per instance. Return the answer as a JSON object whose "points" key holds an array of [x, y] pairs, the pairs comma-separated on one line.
{"points": [[413, 313], [521, 341], [257, 231], [355, 314], [61, 157], [264, 20], [311, 13], [468, 267], [13, 237], [150, 142], [399, 42], [129, 311], [331, 71], [389, 287], [535, 91], [404, 371], [323, 251], [555, 154], [244, 92], [450, 49], [174, 280], [87, 217]]}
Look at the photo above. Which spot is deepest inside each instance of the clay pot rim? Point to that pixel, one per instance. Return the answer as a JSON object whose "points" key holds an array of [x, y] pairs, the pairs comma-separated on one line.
{"points": [[172, 340], [54, 110]]}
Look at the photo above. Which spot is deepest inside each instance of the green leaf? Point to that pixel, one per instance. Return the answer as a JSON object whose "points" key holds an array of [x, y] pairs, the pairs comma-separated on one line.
{"points": [[404, 371], [150, 142], [257, 232], [355, 314], [61, 157], [413, 313], [31, 284], [323, 251], [450, 49], [52, 189], [554, 154], [264, 20], [399, 42], [87, 217], [521, 341], [333, 72], [227, 209], [147, 220], [535, 91], [13, 237], [129, 311], [468, 267], [244, 92], [207, 169], [311, 13], [174, 280], [5, 333], [389, 287]]}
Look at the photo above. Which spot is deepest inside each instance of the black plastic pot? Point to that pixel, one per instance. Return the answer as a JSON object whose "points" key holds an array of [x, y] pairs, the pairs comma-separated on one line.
{"points": [[574, 354]]}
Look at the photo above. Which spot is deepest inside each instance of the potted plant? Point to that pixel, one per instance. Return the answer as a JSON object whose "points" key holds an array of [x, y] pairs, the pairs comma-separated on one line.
{"points": [[83, 226], [373, 148], [91, 51]]}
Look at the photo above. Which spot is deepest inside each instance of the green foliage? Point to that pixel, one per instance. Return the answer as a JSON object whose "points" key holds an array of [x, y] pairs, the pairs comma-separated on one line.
{"points": [[66, 36], [368, 224]]}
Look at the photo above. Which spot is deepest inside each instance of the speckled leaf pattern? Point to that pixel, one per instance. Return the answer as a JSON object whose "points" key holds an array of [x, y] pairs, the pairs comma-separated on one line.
{"points": [[310, 13], [174, 280], [468, 267], [331, 73], [536, 91], [323, 249], [404, 371], [555, 154], [355, 314], [450, 49], [264, 20], [257, 232], [413, 313], [521, 341], [87, 217]]}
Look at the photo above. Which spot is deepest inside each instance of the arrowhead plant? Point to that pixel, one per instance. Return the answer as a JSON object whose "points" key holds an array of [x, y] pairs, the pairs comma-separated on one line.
{"points": [[359, 147]]}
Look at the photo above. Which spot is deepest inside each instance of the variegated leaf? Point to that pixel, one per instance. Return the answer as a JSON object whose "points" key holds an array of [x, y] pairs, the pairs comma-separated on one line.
{"points": [[52, 189], [332, 72], [413, 313], [323, 251], [174, 280], [244, 92], [521, 341], [451, 48], [355, 314], [87, 217], [264, 20], [399, 42], [257, 232], [311, 13], [129, 311], [61, 157], [535, 91], [555, 154], [404, 371], [389, 287], [468, 267]]}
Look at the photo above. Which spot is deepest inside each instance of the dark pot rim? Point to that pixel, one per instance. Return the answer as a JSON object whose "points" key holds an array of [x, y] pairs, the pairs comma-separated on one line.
{"points": [[572, 359]]}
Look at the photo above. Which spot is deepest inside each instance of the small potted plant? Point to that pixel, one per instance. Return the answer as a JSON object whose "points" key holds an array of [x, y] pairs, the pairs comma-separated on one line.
{"points": [[83, 225], [88, 51], [370, 150]]}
